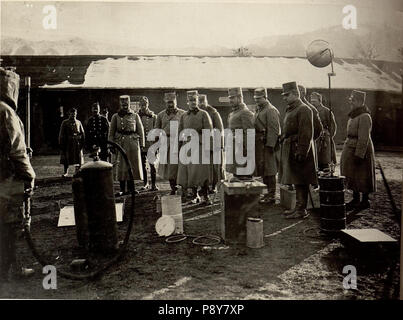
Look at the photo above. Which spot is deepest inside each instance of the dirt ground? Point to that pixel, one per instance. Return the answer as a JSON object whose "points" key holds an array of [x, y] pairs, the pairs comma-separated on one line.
{"points": [[296, 262]]}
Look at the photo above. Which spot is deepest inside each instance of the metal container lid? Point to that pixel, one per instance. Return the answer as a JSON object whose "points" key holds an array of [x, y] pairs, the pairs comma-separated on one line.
{"points": [[96, 165]]}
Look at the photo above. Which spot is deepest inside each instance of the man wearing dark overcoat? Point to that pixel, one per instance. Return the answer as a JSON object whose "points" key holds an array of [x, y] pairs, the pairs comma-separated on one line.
{"points": [[165, 120], [71, 142], [148, 118], [239, 118], [268, 130], [194, 175], [357, 161], [297, 158], [97, 132], [217, 172], [325, 146]]}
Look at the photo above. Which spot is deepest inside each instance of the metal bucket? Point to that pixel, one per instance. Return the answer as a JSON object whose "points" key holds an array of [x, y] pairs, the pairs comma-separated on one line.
{"points": [[172, 206], [254, 233], [332, 206]]}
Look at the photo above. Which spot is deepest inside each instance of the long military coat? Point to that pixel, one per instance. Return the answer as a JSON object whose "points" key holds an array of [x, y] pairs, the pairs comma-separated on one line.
{"points": [[71, 142], [268, 130], [360, 176], [298, 139], [240, 118], [127, 131], [317, 129], [148, 118], [326, 148], [195, 174], [169, 170], [97, 130], [15, 167], [217, 172]]}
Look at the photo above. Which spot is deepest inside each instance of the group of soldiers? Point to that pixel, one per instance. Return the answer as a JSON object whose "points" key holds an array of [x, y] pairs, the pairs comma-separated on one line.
{"points": [[292, 155]]}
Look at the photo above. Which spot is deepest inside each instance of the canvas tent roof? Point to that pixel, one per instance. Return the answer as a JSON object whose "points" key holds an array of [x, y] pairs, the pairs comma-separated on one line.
{"points": [[224, 72]]}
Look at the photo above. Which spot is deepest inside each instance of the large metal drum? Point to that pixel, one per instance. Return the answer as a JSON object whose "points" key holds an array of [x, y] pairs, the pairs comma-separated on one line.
{"points": [[99, 203], [332, 206]]}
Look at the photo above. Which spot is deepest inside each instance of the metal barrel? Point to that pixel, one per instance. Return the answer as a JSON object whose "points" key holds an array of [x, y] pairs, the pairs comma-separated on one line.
{"points": [[80, 211], [101, 209], [332, 206]]}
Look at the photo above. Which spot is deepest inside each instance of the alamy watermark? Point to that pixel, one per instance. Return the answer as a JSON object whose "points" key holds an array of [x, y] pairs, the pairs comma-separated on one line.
{"points": [[184, 147]]}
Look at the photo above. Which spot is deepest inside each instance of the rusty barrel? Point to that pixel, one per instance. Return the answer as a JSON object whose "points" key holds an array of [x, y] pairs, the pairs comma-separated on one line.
{"points": [[332, 206]]}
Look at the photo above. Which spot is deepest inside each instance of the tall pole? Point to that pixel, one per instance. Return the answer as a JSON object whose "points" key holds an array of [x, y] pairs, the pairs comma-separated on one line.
{"points": [[330, 75], [28, 112]]}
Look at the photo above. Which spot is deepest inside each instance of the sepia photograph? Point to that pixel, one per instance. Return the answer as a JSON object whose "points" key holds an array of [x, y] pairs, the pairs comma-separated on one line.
{"points": [[218, 152]]}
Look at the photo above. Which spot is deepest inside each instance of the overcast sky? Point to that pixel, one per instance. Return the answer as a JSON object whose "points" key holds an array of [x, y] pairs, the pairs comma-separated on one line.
{"points": [[201, 24]]}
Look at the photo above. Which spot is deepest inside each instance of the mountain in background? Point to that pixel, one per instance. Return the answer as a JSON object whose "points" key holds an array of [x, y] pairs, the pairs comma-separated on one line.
{"points": [[368, 42]]}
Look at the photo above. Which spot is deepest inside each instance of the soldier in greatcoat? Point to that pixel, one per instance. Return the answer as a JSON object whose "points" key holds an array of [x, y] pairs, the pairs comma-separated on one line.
{"points": [[239, 118], [71, 142], [217, 169], [97, 132], [194, 175], [16, 174], [297, 159], [357, 161], [325, 146], [165, 119], [148, 118], [268, 130], [317, 123], [127, 131]]}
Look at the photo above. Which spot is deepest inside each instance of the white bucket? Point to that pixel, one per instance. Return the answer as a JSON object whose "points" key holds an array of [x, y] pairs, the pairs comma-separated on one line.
{"points": [[254, 233], [172, 206]]}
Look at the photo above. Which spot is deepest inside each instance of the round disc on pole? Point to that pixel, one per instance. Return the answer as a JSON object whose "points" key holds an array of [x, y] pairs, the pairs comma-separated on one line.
{"points": [[319, 53]]}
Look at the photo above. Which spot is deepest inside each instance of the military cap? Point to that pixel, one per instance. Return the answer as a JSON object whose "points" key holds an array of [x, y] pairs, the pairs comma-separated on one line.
{"points": [[317, 95], [192, 94], [96, 104], [143, 99], [170, 96], [202, 97], [260, 92], [235, 92], [359, 96], [124, 97], [302, 90], [289, 86]]}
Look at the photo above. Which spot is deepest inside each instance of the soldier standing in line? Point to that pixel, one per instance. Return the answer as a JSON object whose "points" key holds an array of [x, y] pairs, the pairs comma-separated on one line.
{"points": [[127, 130], [268, 130], [97, 132], [217, 170], [194, 175], [71, 142], [16, 175], [357, 161], [326, 148], [165, 120], [297, 159], [317, 123], [239, 118], [148, 118]]}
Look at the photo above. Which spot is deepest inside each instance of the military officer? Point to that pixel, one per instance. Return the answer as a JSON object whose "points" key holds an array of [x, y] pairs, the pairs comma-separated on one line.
{"points": [[194, 175], [268, 130], [297, 159], [97, 132], [217, 170], [326, 148], [127, 130], [16, 174], [357, 161], [165, 119], [148, 118], [317, 123], [239, 118], [71, 142]]}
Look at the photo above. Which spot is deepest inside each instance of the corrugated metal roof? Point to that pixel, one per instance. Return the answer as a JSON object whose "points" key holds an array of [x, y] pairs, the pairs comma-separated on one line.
{"points": [[223, 72]]}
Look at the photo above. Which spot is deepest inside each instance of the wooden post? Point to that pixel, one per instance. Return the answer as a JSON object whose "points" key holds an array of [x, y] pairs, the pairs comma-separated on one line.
{"points": [[28, 112]]}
